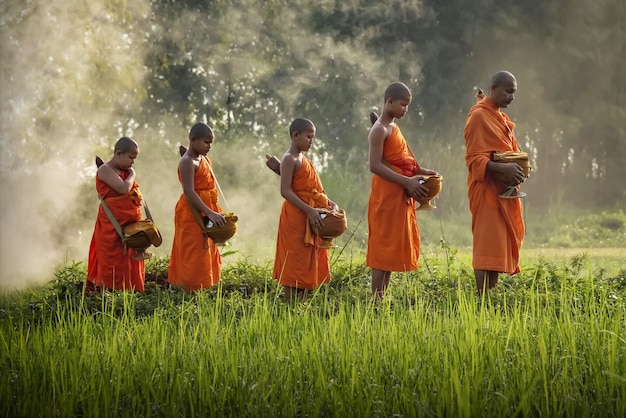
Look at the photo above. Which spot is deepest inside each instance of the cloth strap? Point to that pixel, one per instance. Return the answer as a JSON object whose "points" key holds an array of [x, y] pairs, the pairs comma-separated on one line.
{"points": [[114, 221], [218, 188]]}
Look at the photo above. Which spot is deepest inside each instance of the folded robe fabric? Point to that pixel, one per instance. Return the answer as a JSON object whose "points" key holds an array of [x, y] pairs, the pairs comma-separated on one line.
{"points": [[195, 262], [393, 242], [111, 266], [299, 261], [408, 166], [317, 200], [497, 223]]}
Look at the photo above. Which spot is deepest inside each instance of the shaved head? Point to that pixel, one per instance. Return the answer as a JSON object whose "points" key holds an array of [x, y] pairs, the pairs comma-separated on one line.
{"points": [[200, 131], [397, 90], [502, 77], [300, 125], [125, 145]]}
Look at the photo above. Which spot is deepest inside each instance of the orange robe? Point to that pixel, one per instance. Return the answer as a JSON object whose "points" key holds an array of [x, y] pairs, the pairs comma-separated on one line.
{"points": [[111, 266], [497, 223], [299, 261], [393, 243], [195, 262]]}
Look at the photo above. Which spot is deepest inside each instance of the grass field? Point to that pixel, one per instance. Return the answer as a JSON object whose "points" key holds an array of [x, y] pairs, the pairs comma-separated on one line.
{"points": [[548, 342]]}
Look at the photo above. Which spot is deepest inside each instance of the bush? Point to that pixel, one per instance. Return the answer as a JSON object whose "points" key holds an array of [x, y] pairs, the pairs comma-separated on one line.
{"points": [[594, 230]]}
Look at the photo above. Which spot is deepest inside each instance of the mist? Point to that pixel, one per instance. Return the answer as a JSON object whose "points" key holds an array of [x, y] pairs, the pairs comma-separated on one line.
{"points": [[76, 77], [62, 65], [69, 74]]}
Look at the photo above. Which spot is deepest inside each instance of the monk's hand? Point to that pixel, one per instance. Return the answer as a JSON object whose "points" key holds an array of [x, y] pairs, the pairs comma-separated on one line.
{"points": [[315, 218], [415, 187], [217, 218], [513, 172]]}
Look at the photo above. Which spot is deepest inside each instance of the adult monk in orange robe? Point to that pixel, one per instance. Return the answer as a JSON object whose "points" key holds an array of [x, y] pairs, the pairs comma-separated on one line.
{"points": [[195, 262], [110, 265], [393, 242], [497, 223], [300, 264]]}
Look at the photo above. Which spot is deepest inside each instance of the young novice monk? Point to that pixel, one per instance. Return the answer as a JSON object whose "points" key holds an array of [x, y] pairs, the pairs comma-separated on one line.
{"points": [[393, 240], [300, 265], [110, 265], [195, 262]]}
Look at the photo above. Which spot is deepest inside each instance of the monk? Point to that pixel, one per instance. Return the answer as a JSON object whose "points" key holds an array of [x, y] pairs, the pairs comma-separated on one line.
{"points": [[393, 242], [195, 262], [110, 265], [497, 224], [300, 264]]}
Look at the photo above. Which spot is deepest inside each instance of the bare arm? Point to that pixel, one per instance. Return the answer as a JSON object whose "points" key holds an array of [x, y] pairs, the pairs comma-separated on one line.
{"points": [[110, 177], [428, 172], [288, 167], [377, 137], [187, 172]]}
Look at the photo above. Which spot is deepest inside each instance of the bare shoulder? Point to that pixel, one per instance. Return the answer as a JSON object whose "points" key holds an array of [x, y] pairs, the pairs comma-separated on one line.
{"points": [[379, 131], [290, 162], [105, 170], [108, 175], [289, 158], [185, 161]]}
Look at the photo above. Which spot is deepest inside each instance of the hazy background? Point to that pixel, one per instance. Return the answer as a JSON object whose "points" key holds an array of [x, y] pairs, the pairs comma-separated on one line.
{"points": [[75, 76]]}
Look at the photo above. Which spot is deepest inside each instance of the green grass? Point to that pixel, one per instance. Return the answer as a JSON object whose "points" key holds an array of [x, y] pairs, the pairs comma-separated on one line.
{"points": [[548, 342]]}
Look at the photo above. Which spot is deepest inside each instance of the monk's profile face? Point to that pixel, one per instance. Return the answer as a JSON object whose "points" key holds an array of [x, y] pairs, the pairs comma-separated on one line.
{"points": [[202, 145], [304, 139], [125, 160], [503, 93], [399, 106]]}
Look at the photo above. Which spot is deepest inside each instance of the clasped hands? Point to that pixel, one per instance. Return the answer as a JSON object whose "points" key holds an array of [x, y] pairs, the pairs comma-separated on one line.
{"points": [[513, 173]]}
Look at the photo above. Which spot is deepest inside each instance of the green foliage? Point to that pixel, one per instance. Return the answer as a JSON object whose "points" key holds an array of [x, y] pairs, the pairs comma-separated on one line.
{"points": [[251, 83], [605, 229], [151, 68], [547, 342], [247, 279]]}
